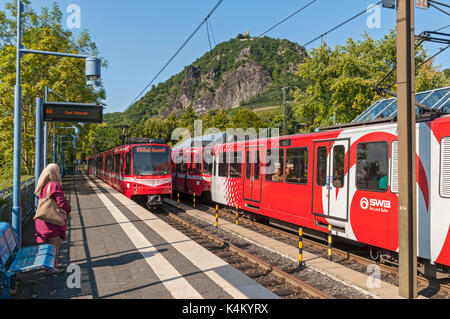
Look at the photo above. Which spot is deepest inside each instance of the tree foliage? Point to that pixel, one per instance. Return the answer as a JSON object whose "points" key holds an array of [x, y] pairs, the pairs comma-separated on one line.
{"points": [[340, 80], [63, 75]]}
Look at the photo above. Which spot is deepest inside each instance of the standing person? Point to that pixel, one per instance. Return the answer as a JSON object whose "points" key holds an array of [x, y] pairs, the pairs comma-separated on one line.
{"points": [[46, 232]]}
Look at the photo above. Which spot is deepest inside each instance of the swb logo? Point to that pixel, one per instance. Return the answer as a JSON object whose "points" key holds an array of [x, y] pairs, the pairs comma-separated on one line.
{"points": [[374, 203], [364, 203]]}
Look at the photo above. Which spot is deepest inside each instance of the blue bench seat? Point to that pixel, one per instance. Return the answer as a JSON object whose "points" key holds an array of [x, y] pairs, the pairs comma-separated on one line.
{"points": [[14, 260]]}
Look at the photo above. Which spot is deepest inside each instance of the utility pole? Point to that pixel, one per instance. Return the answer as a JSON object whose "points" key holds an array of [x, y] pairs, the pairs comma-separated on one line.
{"points": [[407, 218]]}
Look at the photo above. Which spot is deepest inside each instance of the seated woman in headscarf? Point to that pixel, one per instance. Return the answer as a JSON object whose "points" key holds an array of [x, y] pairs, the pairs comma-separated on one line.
{"points": [[46, 232]]}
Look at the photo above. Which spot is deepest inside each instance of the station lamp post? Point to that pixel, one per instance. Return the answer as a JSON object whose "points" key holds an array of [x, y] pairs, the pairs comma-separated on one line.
{"points": [[93, 66]]}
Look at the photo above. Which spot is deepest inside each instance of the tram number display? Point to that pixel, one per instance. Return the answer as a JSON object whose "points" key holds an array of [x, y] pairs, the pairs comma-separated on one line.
{"points": [[73, 112], [422, 4], [150, 149]]}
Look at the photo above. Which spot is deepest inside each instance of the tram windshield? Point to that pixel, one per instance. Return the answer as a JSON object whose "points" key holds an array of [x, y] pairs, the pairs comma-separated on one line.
{"points": [[151, 160]]}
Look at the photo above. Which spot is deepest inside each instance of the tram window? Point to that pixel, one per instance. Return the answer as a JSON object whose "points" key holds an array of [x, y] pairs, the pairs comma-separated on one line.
{"points": [[274, 167], [223, 165], [444, 187], [184, 166], [107, 164], [297, 165], [110, 163], [179, 166], [372, 166], [117, 164], [236, 164], [248, 166], [256, 166], [321, 166], [338, 166], [207, 162], [151, 160], [128, 164], [198, 164]]}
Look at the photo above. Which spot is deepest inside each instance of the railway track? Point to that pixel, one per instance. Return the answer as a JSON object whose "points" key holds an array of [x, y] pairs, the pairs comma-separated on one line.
{"points": [[273, 278], [389, 273]]}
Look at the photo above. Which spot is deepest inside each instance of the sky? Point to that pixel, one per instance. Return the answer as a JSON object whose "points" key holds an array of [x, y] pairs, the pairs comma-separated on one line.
{"points": [[138, 37]]}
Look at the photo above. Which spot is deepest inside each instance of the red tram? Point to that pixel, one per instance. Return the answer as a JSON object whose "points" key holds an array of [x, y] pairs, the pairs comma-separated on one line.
{"points": [[193, 165], [141, 170], [347, 177]]}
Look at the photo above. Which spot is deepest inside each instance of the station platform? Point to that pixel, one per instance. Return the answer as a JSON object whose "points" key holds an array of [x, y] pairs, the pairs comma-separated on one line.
{"points": [[122, 250]]}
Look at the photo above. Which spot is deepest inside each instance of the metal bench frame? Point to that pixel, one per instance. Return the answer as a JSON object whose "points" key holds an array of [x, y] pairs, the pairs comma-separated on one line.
{"points": [[14, 260]]}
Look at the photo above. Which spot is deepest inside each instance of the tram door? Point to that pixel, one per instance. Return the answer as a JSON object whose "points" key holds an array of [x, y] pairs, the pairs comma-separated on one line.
{"points": [[252, 177], [331, 179]]}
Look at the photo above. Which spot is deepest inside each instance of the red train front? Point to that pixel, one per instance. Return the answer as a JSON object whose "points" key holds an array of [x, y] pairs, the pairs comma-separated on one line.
{"points": [[140, 170]]}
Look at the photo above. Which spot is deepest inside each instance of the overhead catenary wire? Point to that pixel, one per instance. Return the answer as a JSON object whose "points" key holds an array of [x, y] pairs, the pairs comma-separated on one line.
{"points": [[207, 32], [30, 10], [448, 25], [177, 52], [377, 87], [439, 3], [212, 31], [436, 7], [339, 25], [287, 18]]}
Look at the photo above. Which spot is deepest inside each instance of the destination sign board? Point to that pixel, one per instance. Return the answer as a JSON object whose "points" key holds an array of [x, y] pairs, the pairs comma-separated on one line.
{"points": [[73, 112]]}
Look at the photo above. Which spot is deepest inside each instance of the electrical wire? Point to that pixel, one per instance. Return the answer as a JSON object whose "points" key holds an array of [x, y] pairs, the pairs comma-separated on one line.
{"points": [[30, 10], [285, 19], [432, 5], [442, 4], [178, 51], [212, 31], [207, 31], [442, 28], [339, 25]]}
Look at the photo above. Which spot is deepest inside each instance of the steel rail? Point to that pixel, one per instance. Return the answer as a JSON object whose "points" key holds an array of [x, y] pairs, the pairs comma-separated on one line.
{"points": [[342, 253], [263, 264]]}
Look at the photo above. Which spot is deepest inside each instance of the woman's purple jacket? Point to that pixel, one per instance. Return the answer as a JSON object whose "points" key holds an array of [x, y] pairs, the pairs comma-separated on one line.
{"points": [[46, 230]]}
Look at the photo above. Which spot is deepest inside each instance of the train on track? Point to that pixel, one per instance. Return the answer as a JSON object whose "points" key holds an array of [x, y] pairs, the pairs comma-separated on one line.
{"points": [[192, 165], [345, 177], [140, 169]]}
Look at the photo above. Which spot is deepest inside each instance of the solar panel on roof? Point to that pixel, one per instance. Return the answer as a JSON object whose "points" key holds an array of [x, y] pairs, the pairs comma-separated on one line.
{"points": [[438, 99]]}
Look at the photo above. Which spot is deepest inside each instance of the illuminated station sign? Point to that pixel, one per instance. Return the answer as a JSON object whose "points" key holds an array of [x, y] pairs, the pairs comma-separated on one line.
{"points": [[73, 112]]}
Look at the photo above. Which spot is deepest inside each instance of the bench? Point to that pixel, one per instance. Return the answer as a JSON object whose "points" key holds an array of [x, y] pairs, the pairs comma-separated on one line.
{"points": [[14, 260]]}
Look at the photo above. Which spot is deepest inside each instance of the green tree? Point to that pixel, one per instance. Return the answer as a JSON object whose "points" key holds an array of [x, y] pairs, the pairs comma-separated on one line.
{"points": [[64, 75], [188, 118], [340, 81], [245, 118], [220, 120]]}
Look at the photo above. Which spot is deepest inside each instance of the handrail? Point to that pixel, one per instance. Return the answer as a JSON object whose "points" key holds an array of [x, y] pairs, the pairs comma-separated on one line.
{"points": [[9, 190], [28, 206]]}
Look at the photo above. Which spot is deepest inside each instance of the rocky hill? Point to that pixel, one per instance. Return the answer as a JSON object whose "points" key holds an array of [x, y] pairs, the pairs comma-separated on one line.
{"points": [[242, 71]]}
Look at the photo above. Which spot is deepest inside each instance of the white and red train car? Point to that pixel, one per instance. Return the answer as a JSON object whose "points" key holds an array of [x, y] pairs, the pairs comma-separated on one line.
{"points": [[345, 176], [141, 171], [193, 165], [192, 170]]}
